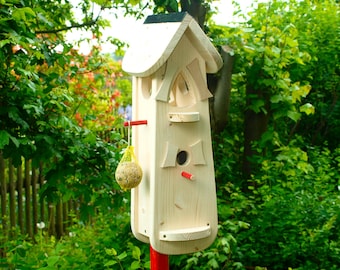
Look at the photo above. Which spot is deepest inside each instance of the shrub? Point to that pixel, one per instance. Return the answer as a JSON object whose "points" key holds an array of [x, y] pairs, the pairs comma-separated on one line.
{"points": [[105, 244], [295, 211]]}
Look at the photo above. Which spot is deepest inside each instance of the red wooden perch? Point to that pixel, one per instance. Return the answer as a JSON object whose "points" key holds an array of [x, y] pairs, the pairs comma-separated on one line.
{"points": [[135, 123], [188, 176]]}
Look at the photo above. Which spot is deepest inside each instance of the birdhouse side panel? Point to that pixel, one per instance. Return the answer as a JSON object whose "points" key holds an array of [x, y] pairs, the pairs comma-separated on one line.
{"points": [[143, 136]]}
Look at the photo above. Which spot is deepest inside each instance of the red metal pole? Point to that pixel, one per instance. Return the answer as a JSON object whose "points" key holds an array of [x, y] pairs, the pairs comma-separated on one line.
{"points": [[158, 261]]}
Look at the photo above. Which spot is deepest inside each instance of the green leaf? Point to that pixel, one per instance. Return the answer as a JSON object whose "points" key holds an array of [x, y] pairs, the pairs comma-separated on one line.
{"points": [[295, 116], [110, 263], [15, 141], [174, 5], [135, 265], [13, 113], [51, 261], [90, 138], [276, 99], [111, 251], [147, 265], [276, 52], [122, 256], [291, 42], [243, 225], [213, 263], [4, 42], [37, 109], [307, 109], [4, 138], [136, 252], [300, 91], [282, 84], [20, 13]]}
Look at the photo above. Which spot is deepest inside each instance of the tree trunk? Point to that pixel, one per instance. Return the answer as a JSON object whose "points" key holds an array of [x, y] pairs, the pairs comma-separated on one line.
{"points": [[195, 9], [220, 86], [255, 124]]}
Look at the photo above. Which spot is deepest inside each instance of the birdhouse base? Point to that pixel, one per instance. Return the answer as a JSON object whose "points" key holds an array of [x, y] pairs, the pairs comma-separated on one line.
{"points": [[186, 234]]}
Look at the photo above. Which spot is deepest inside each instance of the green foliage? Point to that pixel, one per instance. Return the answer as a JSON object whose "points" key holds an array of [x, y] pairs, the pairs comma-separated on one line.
{"points": [[323, 70], [42, 116], [294, 211], [282, 54], [287, 220], [267, 48], [54, 102], [105, 244]]}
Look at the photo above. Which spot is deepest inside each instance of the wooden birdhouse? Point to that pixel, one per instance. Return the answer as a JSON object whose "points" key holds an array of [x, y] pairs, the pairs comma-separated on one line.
{"points": [[174, 207]]}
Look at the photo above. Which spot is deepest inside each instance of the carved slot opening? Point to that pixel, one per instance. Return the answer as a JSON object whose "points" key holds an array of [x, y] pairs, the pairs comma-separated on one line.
{"points": [[146, 86]]}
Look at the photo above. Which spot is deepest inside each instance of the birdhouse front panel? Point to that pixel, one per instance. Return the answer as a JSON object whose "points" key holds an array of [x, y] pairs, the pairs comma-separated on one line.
{"points": [[185, 212], [174, 207]]}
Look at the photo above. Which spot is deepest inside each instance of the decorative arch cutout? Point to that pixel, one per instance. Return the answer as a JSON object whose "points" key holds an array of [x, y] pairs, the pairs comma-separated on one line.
{"points": [[146, 86], [181, 93]]}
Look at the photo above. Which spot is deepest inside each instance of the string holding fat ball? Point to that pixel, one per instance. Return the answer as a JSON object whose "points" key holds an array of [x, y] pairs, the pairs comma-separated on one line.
{"points": [[128, 173], [129, 130]]}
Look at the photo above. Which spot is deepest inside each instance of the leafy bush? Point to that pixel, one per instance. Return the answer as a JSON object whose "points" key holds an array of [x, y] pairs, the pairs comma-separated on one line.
{"points": [[294, 211], [288, 217], [105, 244]]}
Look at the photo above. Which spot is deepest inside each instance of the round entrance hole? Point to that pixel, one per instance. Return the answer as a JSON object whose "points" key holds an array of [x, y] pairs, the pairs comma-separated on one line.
{"points": [[182, 157]]}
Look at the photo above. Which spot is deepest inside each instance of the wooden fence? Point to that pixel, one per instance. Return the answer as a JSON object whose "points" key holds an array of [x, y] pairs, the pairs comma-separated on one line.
{"points": [[21, 206]]}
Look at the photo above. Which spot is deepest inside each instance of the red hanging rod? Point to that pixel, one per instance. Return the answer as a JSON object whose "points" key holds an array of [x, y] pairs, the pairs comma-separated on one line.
{"points": [[135, 123]]}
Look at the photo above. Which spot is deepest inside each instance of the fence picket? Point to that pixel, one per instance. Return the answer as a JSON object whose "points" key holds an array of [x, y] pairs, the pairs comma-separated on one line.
{"points": [[22, 207], [28, 214], [34, 199], [20, 186], [3, 193], [12, 196]]}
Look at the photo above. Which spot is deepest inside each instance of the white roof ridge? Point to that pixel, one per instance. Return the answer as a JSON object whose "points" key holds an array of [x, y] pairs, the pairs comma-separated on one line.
{"points": [[159, 37]]}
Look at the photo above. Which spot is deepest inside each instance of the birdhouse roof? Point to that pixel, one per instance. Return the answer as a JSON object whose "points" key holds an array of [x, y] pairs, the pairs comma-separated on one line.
{"points": [[157, 39]]}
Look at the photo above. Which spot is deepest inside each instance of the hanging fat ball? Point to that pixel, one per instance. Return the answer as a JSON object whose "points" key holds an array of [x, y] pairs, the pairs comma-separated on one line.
{"points": [[128, 173]]}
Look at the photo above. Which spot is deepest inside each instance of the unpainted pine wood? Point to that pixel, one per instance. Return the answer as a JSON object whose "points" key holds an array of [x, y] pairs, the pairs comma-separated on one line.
{"points": [[165, 201], [154, 44]]}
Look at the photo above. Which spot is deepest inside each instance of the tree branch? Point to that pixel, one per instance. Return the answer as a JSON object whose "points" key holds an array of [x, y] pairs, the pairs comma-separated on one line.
{"points": [[66, 28]]}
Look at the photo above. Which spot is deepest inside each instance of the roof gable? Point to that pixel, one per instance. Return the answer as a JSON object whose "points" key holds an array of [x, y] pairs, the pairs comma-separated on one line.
{"points": [[159, 37]]}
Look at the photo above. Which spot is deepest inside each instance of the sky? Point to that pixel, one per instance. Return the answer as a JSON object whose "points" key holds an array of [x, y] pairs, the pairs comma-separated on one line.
{"points": [[124, 28]]}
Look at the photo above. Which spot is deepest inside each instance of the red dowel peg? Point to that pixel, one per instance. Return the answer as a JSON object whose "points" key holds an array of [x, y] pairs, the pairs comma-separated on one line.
{"points": [[135, 123], [188, 176]]}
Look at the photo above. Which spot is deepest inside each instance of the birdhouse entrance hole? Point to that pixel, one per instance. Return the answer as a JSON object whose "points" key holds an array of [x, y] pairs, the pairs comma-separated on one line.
{"points": [[182, 157]]}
